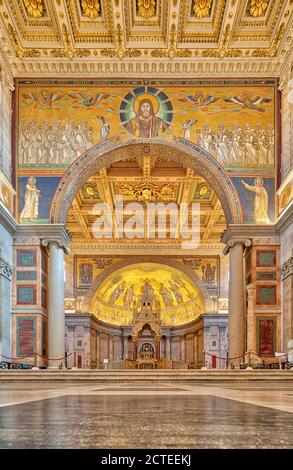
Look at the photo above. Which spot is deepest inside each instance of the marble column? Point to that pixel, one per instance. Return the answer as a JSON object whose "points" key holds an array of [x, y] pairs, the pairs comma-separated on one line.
{"points": [[98, 350], [125, 347], [250, 324], [236, 317], [56, 310], [168, 348], [182, 348], [110, 347], [287, 284], [195, 349]]}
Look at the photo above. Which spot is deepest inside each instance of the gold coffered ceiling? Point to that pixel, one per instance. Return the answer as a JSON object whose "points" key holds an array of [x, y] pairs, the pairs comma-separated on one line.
{"points": [[137, 181], [40, 36]]}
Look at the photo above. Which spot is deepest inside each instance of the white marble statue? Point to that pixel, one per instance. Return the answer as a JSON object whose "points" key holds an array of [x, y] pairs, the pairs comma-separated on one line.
{"points": [[30, 210]]}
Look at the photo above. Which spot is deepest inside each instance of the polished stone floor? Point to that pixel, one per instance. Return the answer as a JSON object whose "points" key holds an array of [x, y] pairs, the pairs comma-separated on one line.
{"points": [[137, 415]]}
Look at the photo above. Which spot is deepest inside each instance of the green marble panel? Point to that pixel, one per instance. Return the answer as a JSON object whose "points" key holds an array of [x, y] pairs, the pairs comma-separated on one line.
{"points": [[26, 276]]}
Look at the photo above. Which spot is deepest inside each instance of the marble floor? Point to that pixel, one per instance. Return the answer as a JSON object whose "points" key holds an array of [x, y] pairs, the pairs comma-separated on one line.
{"points": [[142, 415]]}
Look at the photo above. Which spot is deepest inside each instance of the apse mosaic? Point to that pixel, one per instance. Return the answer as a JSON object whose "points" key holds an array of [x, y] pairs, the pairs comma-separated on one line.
{"points": [[233, 120], [116, 298]]}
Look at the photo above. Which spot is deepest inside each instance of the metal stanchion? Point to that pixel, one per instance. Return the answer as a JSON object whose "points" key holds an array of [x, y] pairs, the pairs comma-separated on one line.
{"points": [[204, 367]]}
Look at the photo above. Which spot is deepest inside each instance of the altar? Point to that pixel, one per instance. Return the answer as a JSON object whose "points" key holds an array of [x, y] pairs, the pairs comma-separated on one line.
{"points": [[146, 329]]}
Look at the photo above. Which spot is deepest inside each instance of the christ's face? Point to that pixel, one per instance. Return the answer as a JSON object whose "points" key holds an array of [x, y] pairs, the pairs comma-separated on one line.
{"points": [[259, 183], [145, 110]]}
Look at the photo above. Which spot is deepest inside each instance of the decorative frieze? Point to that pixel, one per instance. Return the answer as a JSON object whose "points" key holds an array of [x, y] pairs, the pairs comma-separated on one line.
{"points": [[5, 269], [287, 269]]}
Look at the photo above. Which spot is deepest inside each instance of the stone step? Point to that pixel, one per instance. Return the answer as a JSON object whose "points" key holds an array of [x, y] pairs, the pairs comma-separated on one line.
{"points": [[144, 375]]}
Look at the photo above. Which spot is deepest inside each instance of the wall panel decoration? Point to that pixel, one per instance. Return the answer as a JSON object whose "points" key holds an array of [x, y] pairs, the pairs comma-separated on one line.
{"points": [[266, 295], [25, 336], [266, 258], [263, 272], [26, 275], [266, 336], [26, 258], [26, 295]]}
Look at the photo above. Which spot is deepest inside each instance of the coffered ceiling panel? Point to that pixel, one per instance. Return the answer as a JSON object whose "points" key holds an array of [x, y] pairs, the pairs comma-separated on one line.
{"points": [[175, 184], [145, 36]]}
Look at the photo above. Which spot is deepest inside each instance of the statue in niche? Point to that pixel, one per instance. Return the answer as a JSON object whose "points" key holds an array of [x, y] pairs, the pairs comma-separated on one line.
{"points": [[86, 273], [128, 297], [116, 293], [177, 293], [30, 210], [147, 292], [166, 295]]}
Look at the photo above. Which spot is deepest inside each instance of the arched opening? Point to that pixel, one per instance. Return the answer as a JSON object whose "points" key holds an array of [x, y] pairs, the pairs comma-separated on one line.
{"points": [[111, 151], [175, 291]]}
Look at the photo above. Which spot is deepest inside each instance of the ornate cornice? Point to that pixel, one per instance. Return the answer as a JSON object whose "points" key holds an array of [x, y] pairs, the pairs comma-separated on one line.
{"points": [[42, 235], [287, 269], [5, 269], [162, 68], [6, 220], [249, 234], [286, 219], [156, 249]]}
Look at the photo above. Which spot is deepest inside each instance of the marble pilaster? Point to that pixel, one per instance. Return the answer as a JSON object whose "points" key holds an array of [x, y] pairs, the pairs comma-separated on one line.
{"points": [[250, 324], [287, 283]]}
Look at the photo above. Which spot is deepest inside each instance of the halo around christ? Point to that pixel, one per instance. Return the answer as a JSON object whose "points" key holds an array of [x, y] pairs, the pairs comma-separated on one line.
{"points": [[146, 112]]}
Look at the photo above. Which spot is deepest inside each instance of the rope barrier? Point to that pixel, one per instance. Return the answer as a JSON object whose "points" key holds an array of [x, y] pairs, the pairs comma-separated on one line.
{"points": [[16, 358], [36, 354], [53, 358], [224, 358]]}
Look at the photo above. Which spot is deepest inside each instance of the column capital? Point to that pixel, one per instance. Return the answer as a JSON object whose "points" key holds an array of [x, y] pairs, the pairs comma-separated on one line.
{"points": [[287, 269], [5, 269], [250, 291], [60, 242], [250, 287], [246, 242]]}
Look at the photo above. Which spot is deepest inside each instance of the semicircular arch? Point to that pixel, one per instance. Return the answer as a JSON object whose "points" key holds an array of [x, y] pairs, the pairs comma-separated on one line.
{"points": [[113, 150]]}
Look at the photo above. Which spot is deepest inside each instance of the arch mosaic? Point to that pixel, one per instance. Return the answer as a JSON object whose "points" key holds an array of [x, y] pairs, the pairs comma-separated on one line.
{"points": [[113, 150]]}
